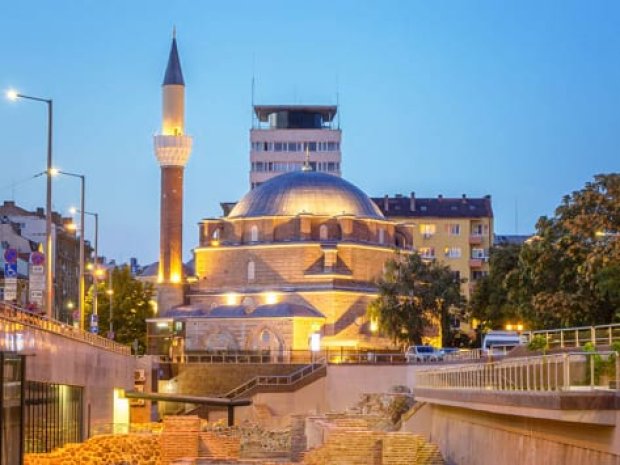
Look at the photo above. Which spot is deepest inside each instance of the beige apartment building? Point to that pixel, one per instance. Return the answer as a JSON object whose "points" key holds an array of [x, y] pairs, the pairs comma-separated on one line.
{"points": [[455, 231]]}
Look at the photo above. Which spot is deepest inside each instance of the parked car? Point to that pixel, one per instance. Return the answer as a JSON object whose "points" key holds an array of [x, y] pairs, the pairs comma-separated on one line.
{"points": [[423, 354]]}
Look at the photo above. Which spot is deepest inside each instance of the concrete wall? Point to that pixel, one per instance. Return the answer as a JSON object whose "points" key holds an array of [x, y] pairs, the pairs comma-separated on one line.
{"points": [[469, 437], [61, 360], [346, 383]]}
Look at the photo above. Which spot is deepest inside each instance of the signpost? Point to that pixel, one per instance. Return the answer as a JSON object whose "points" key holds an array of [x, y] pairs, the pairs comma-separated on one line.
{"points": [[37, 278], [10, 275]]}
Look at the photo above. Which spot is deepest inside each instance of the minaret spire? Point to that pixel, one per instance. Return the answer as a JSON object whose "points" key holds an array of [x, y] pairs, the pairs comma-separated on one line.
{"points": [[306, 166], [172, 150], [174, 75]]}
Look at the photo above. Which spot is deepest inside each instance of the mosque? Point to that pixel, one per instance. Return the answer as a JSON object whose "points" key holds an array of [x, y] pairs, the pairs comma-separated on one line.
{"points": [[293, 264], [290, 267]]}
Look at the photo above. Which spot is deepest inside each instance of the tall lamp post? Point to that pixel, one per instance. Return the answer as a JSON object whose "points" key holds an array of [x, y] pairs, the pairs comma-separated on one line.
{"points": [[95, 269], [49, 274], [81, 272], [110, 293]]}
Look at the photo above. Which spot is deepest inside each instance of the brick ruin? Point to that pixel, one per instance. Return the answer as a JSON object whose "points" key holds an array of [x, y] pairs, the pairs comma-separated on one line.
{"points": [[366, 434]]}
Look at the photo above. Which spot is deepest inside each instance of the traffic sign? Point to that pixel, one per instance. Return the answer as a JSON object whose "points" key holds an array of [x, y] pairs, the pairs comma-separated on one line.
{"points": [[10, 270], [10, 255], [37, 258]]}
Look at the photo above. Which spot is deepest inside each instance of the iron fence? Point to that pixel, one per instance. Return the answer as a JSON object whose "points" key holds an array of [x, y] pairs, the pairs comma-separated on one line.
{"points": [[556, 372]]}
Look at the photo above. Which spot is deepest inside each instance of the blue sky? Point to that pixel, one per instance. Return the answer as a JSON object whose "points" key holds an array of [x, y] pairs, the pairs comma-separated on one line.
{"points": [[514, 99]]}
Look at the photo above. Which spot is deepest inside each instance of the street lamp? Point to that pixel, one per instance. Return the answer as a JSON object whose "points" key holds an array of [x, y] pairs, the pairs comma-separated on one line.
{"points": [[81, 292], [95, 269], [110, 293], [49, 274]]}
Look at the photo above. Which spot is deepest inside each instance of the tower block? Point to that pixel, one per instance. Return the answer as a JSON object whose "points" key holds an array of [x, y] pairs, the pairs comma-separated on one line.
{"points": [[172, 149]]}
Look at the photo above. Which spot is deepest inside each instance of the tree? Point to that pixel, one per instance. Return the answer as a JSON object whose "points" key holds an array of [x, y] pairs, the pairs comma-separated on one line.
{"points": [[568, 274], [415, 295], [490, 302], [131, 306]]}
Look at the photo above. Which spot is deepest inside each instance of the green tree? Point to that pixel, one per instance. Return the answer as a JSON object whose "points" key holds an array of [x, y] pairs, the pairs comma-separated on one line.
{"points": [[131, 306], [569, 274], [415, 295], [490, 302]]}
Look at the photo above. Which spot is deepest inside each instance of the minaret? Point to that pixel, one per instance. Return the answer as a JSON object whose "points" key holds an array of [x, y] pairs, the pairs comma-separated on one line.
{"points": [[172, 149]]}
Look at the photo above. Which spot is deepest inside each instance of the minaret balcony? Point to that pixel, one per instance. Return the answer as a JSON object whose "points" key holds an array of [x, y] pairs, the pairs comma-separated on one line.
{"points": [[172, 150]]}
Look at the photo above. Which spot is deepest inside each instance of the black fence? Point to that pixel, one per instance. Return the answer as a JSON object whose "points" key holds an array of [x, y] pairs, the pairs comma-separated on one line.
{"points": [[53, 416]]}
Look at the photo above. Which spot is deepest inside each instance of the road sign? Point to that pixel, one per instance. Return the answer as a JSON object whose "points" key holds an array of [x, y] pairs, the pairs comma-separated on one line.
{"points": [[94, 324], [37, 258], [10, 255], [10, 270], [10, 289]]}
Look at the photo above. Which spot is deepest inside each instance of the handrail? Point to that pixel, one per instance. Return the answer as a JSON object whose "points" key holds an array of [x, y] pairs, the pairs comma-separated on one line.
{"points": [[276, 380], [555, 372], [578, 336], [18, 316]]}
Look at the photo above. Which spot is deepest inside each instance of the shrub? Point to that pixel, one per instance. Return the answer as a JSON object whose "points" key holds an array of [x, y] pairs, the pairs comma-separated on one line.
{"points": [[538, 342]]}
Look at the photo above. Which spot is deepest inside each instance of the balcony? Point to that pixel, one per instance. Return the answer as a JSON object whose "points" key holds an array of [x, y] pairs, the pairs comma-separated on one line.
{"points": [[475, 239], [476, 262]]}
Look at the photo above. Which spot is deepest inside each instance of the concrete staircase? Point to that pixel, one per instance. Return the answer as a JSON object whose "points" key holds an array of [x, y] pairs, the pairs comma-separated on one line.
{"points": [[278, 383]]}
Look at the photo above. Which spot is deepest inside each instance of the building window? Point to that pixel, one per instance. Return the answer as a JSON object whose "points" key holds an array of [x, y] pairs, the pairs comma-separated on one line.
{"points": [[478, 274], [381, 236], [479, 229], [478, 253], [251, 271], [254, 233], [323, 232], [452, 252], [427, 252], [216, 235], [453, 229], [427, 230]]}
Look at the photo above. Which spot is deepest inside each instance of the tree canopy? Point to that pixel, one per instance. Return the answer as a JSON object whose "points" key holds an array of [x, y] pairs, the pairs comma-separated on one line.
{"points": [[131, 306], [490, 301], [414, 296], [568, 274]]}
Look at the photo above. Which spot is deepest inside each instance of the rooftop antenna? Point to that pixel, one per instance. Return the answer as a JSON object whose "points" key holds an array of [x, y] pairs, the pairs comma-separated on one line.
{"points": [[338, 108], [338, 100], [252, 92], [306, 166], [174, 31]]}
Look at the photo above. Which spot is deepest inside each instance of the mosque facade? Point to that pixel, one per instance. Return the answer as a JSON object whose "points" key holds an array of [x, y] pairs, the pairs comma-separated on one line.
{"points": [[294, 261]]}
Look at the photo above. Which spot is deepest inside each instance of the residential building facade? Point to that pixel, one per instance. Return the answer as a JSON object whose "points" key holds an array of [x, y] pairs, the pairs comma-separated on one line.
{"points": [[455, 231]]}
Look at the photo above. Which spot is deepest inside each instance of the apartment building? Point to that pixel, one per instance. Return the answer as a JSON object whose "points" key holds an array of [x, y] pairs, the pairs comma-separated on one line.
{"points": [[455, 231]]}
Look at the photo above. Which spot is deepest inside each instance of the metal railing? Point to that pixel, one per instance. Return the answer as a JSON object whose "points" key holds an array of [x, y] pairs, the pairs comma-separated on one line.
{"points": [[578, 336], [14, 320], [276, 380], [332, 356], [556, 372]]}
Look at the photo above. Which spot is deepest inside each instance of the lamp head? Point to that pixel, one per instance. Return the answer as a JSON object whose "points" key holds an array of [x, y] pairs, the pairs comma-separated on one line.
{"points": [[12, 94], [54, 171], [72, 210]]}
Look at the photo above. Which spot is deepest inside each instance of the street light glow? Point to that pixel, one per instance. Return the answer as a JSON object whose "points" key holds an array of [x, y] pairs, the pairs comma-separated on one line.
{"points": [[54, 171], [12, 94], [72, 210]]}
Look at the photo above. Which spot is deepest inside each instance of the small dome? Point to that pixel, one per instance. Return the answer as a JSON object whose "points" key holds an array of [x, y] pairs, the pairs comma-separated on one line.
{"points": [[309, 192]]}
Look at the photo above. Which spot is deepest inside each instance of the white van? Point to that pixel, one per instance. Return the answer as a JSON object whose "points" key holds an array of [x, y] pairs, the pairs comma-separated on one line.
{"points": [[500, 342]]}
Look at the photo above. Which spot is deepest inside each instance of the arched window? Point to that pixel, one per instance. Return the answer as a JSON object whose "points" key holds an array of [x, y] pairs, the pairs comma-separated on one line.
{"points": [[216, 235], [251, 271], [254, 233], [323, 232], [381, 236]]}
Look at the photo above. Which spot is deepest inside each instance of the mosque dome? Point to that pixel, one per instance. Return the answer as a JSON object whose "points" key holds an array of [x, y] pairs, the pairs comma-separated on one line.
{"points": [[308, 192]]}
